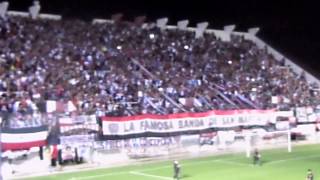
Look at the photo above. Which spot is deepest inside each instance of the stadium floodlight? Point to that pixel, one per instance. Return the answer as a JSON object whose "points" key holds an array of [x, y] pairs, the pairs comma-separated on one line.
{"points": [[34, 9], [116, 17], [3, 9], [229, 28], [182, 25], [253, 31], [201, 27], [162, 22], [139, 20], [151, 36]]}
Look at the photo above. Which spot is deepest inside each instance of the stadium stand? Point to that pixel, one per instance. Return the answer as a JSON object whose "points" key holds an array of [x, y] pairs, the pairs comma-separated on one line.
{"points": [[62, 78], [122, 69]]}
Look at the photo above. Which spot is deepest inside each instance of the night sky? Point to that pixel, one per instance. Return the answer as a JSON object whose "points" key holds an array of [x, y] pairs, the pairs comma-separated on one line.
{"points": [[291, 27]]}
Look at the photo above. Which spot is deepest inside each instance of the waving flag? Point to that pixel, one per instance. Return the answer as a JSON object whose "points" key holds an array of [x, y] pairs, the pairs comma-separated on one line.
{"points": [[23, 138]]}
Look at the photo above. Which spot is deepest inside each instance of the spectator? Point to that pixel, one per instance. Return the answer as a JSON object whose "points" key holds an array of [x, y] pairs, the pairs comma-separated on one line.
{"points": [[122, 70]]}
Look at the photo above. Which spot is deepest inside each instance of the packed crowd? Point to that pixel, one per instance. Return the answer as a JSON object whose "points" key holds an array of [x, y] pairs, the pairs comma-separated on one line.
{"points": [[122, 69]]}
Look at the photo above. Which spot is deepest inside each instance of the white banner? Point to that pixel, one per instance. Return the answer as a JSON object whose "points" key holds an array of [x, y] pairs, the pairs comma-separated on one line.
{"points": [[77, 139], [78, 125], [186, 121], [305, 114], [143, 142], [83, 119]]}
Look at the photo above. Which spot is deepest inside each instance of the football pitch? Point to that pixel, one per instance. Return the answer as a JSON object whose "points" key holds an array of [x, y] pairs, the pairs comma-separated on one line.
{"points": [[277, 164]]}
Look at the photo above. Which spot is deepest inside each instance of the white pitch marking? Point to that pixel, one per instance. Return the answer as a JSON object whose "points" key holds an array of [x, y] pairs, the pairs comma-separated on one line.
{"points": [[97, 176], [292, 159], [233, 163], [156, 168], [149, 175], [198, 162]]}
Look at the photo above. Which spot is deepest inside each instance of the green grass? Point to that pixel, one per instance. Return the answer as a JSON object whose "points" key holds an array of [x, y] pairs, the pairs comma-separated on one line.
{"points": [[277, 164]]}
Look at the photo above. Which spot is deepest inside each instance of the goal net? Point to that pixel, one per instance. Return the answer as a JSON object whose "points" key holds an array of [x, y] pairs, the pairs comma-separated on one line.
{"points": [[247, 140], [262, 140]]}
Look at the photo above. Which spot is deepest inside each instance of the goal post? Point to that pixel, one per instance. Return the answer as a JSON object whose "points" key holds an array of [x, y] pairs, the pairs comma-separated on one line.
{"points": [[289, 140], [263, 140]]}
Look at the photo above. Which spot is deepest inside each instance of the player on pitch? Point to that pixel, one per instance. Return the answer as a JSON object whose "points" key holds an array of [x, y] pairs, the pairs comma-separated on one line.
{"points": [[176, 169], [256, 157], [310, 175]]}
